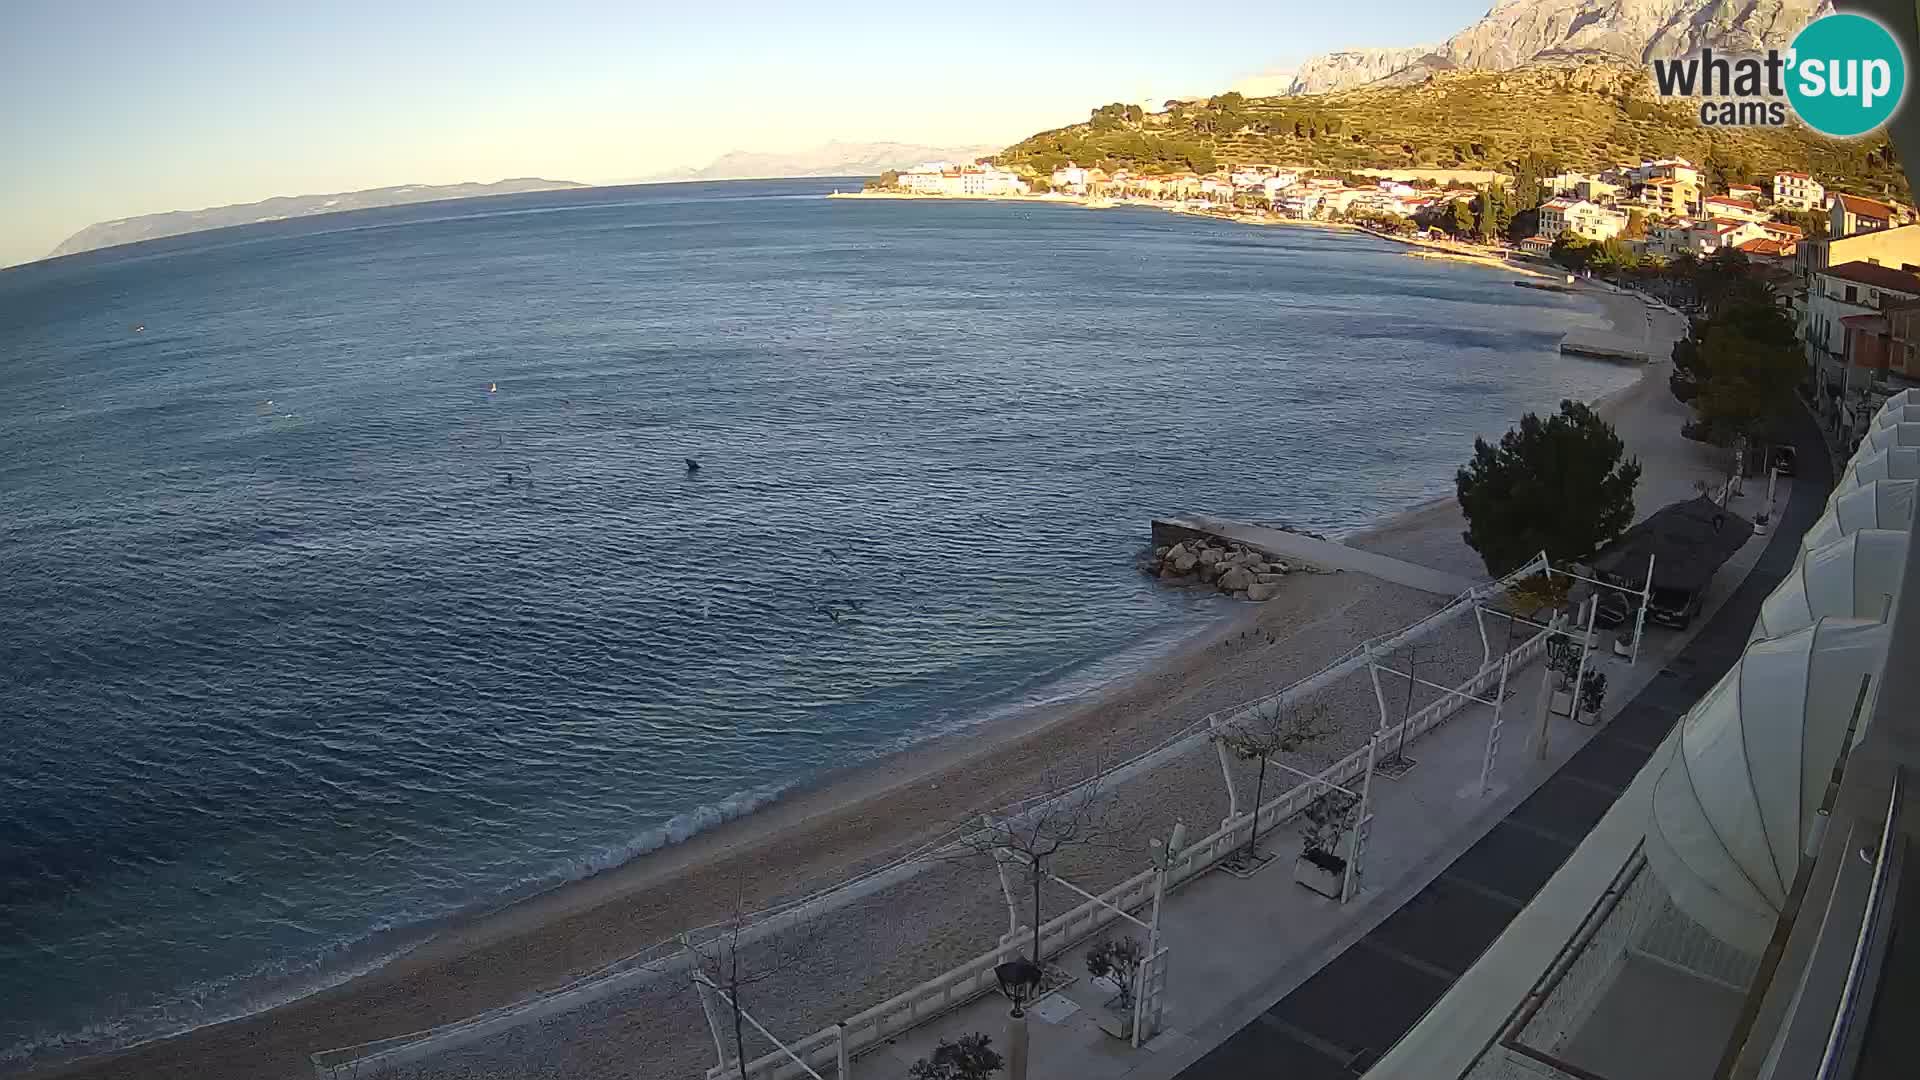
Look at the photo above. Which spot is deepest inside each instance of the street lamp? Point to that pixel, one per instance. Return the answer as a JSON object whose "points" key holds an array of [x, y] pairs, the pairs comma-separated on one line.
{"points": [[1020, 981]]}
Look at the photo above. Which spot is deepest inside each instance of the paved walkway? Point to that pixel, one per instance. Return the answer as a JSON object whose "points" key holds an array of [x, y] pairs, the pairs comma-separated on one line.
{"points": [[1269, 979], [1330, 555], [1338, 1023]]}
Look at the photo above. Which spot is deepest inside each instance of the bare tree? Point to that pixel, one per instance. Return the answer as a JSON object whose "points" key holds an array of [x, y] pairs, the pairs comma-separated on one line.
{"points": [[1264, 731], [745, 950], [1031, 834]]}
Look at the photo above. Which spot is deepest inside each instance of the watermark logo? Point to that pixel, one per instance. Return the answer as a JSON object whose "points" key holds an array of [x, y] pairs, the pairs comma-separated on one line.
{"points": [[1843, 76]]}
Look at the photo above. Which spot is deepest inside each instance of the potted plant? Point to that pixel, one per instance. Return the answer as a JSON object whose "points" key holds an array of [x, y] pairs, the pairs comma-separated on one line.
{"points": [[1116, 961], [1593, 691], [970, 1057], [1563, 661], [1762, 523], [1623, 639], [1324, 825]]}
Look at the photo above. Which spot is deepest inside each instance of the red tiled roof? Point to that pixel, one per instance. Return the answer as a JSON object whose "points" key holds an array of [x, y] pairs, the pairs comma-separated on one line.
{"points": [[1728, 200], [1783, 229], [1764, 246], [1880, 277], [1793, 175], [1860, 207]]}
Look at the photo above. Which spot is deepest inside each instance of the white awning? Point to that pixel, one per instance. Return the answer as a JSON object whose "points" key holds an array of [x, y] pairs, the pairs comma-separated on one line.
{"points": [[1890, 436], [1743, 775], [1895, 413], [1900, 399], [1898, 463], [1883, 504], [1855, 577]]}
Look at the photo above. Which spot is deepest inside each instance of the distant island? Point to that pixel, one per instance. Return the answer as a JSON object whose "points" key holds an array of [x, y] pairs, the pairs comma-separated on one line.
{"points": [[829, 159], [178, 222]]}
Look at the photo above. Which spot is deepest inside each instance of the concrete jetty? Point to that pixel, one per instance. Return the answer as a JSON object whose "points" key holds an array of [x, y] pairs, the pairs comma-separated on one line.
{"points": [[1313, 551]]}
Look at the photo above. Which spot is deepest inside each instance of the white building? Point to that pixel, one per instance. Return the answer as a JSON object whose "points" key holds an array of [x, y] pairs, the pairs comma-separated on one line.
{"points": [[1798, 190], [1581, 218], [1069, 178], [1727, 206], [1279, 182], [1300, 202], [963, 180]]}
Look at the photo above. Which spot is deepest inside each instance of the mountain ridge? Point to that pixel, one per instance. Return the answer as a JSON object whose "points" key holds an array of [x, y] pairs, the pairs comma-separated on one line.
{"points": [[1515, 33], [130, 230], [832, 158]]}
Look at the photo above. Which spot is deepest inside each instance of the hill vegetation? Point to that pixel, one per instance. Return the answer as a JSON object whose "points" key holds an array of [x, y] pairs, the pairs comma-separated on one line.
{"points": [[1582, 116]]}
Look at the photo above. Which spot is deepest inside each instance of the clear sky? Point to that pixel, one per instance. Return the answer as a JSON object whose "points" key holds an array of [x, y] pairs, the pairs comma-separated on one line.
{"points": [[120, 108]]}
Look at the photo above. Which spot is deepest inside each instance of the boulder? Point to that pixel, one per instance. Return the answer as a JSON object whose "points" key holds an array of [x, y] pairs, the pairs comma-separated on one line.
{"points": [[1210, 571], [1168, 573], [1281, 568], [1161, 551], [1263, 590], [1269, 579], [1235, 579], [1209, 556], [1184, 561], [1176, 551]]}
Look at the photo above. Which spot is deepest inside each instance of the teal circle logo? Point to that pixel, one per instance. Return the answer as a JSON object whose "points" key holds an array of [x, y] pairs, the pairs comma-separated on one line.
{"points": [[1846, 75]]}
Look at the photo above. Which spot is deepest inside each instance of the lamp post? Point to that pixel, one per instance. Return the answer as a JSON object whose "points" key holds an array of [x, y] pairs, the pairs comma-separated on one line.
{"points": [[1020, 981]]}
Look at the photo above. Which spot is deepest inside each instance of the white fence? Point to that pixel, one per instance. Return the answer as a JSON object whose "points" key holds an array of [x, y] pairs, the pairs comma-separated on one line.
{"points": [[973, 978]]}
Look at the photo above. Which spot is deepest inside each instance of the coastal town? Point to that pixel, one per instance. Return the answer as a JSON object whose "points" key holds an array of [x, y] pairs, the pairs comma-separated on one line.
{"points": [[1847, 265]]}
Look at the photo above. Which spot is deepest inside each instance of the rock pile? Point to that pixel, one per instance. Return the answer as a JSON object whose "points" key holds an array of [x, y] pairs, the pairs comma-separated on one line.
{"points": [[1234, 569]]}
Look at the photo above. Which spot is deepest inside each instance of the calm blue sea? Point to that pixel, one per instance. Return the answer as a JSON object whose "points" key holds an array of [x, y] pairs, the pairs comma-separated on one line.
{"points": [[366, 584]]}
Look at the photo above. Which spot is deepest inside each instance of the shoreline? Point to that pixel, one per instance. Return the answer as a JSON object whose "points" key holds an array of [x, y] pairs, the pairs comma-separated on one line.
{"points": [[816, 833], [1448, 250]]}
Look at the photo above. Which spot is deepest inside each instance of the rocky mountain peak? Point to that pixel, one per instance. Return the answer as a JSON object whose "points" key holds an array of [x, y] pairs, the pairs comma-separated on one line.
{"points": [[1518, 32]]}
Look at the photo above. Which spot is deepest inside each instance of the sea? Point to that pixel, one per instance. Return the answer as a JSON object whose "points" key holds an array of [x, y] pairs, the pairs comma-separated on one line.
{"points": [[355, 571]]}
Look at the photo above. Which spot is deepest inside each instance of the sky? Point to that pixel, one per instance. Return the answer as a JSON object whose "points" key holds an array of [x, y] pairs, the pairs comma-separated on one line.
{"points": [[114, 109]]}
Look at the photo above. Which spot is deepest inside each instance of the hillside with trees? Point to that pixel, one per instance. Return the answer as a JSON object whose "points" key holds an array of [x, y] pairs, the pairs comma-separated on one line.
{"points": [[1581, 116]]}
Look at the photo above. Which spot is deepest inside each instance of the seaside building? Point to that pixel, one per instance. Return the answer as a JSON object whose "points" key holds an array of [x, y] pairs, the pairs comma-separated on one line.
{"points": [[1837, 294], [1798, 191], [1726, 206], [1070, 178], [1897, 247], [1850, 215], [1300, 202], [1745, 192], [1679, 170], [1701, 237], [1581, 218], [1768, 250], [1279, 182], [942, 179], [1669, 197]]}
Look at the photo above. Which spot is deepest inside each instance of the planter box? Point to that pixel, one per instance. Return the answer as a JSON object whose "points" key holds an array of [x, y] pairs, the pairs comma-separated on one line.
{"points": [[1321, 872], [1562, 703], [1622, 646]]}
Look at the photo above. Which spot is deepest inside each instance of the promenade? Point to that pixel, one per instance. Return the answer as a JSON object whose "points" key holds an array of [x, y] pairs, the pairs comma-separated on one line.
{"points": [[1268, 978]]}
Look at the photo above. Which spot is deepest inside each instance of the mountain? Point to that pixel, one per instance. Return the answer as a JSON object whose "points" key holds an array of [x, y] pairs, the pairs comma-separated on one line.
{"points": [[831, 159], [1573, 112], [176, 222], [1352, 67], [1515, 33]]}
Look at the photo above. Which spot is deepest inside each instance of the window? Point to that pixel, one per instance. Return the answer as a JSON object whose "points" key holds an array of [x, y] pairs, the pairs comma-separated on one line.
{"points": [[1853, 295]]}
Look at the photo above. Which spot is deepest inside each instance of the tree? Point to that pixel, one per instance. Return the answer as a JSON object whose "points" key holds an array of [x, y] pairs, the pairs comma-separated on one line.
{"points": [[1031, 835], [1462, 223], [1557, 485], [1119, 959], [1267, 729], [971, 1057], [744, 952]]}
